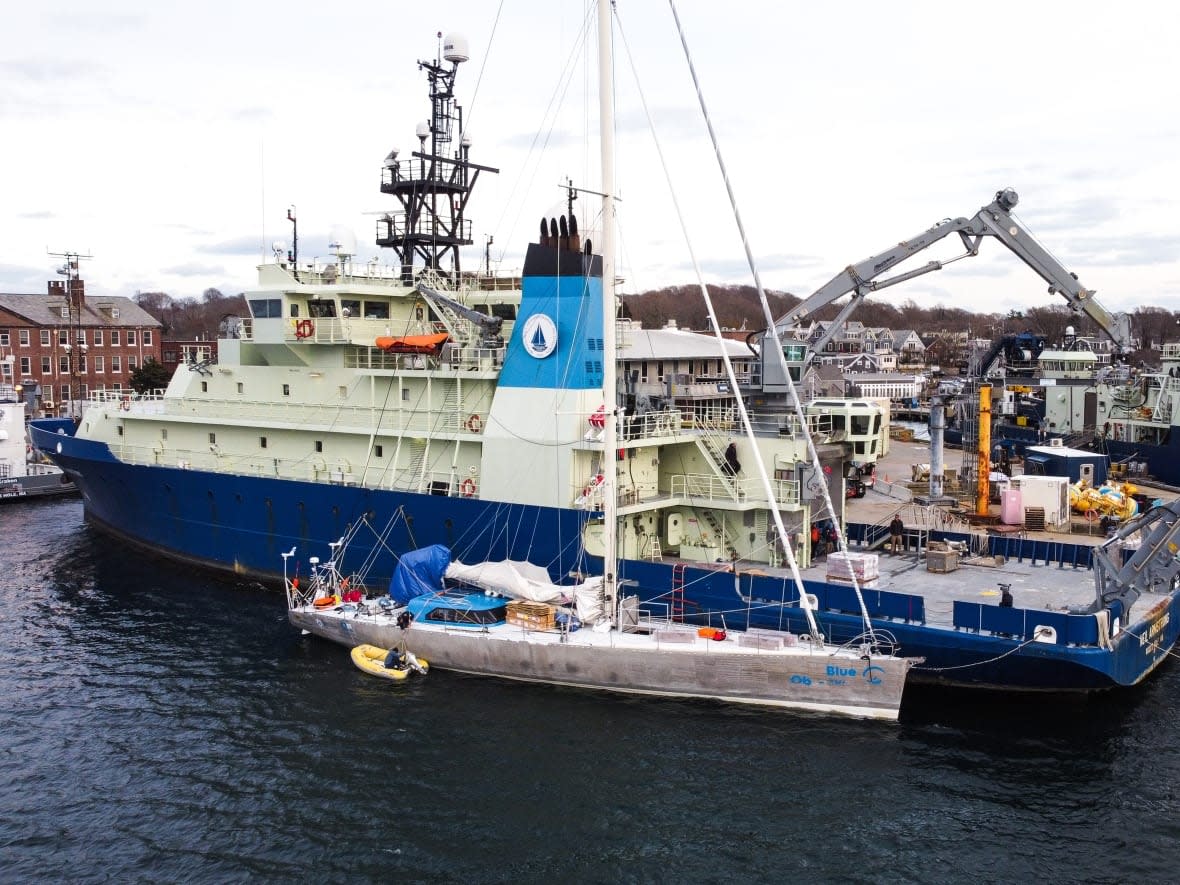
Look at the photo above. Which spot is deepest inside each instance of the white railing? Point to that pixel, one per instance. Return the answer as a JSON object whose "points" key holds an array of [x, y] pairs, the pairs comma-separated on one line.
{"points": [[340, 471], [255, 413], [699, 486]]}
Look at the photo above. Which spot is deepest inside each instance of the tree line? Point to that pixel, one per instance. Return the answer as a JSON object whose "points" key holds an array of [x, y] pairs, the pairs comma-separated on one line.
{"points": [[738, 307], [192, 319]]}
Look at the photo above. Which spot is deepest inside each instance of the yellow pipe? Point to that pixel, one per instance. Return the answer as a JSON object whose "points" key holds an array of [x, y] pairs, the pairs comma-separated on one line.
{"points": [[983, 454]]}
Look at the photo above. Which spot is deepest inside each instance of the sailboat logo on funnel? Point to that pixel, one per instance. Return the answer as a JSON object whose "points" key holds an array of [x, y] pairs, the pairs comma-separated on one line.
{"points": [[539, 336]]}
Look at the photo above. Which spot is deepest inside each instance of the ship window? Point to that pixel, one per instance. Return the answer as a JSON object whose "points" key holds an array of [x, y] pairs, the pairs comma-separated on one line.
{"points": [[262, 442], [163, 433], [294, 309], [212, 439], [352, 305], [204, 384], [378, 451], [319, 445], [405, 394], [504, 311], [263, 308], [321, 307], [465, 616], [119, 430], [286, 390], [241, 387], [343, 391], [377, 310]]}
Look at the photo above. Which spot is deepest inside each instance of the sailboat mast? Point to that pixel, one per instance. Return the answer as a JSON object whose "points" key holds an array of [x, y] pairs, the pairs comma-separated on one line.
{"points": [[606, 124]]}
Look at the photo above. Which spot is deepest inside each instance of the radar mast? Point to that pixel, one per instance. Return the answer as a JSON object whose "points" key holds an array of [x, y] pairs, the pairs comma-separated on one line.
{"points": [[433, 186]]}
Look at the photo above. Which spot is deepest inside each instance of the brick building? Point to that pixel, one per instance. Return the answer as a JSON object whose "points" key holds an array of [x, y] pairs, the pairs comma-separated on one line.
{"points": [[189, 352], [65, 347]]}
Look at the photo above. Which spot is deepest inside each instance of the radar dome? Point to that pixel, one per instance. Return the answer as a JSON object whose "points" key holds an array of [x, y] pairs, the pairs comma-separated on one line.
{"points": [[342, 241], [455, 48]]}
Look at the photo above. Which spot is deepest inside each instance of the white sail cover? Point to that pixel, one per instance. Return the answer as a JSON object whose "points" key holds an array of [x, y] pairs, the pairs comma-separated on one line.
{"points": [[519, 580]]}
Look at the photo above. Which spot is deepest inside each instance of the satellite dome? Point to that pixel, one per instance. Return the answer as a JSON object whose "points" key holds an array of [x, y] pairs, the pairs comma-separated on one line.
{"points": [[455, 48], [342, 241]]}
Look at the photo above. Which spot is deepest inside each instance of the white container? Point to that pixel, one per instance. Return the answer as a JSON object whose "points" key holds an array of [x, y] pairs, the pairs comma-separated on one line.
{"points": [[1011, 508], [1050, 493]]}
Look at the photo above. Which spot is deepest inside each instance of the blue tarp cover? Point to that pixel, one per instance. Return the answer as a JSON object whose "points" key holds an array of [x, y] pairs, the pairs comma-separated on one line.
{"points": [[419, 572]]}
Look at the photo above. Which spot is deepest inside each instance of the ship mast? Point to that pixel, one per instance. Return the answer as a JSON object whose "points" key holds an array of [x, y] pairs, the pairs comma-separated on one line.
{"points": [[434, 185], [606, 123]]}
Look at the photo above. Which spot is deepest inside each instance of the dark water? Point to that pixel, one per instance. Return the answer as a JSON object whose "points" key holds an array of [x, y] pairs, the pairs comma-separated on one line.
{"points": [[156, 725]]}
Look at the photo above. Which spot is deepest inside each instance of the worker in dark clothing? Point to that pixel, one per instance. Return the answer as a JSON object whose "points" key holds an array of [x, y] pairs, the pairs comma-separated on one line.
{"points": [[896, 534], [1005, 596], [732, 465]]}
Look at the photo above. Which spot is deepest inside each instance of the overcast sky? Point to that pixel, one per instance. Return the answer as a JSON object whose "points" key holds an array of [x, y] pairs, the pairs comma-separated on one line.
{"points": [[168, 140]]}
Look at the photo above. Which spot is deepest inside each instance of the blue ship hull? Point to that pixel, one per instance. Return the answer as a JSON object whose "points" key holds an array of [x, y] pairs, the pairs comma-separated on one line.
{"points": [[242, 524]]}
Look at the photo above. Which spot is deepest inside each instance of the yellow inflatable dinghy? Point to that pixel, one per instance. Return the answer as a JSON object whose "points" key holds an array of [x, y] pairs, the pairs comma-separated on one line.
{"points": [[372, 660]]}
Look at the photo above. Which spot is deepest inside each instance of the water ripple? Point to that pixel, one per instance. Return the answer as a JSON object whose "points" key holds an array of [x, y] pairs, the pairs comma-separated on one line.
{"points": [[161, 725]]}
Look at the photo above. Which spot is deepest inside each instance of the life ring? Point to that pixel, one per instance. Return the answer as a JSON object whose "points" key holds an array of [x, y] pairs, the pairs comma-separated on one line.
{"points": [[304, 329], [467, 487], [1091, 515], [475, 424], [125, 404]]}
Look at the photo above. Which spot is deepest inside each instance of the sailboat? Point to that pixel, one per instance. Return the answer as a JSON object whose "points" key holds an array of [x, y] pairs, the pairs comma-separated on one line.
{"points": [[508, 620]]}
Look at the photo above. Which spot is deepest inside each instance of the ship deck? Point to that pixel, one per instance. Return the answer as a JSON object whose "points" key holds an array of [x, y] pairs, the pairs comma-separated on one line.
{"points": [[1034, 586]]}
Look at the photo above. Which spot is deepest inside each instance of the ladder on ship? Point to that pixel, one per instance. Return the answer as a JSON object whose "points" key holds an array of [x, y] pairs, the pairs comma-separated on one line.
{"points": [[676, 607], [655, 554]]}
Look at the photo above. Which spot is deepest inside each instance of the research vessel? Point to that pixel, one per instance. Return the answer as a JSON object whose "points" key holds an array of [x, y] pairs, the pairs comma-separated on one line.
{"points": [[467, 407]]}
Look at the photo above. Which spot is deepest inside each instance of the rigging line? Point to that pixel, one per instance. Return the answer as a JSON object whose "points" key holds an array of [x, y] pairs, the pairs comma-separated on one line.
{"points": [[555, 99], [729, 370], [842, 541], [484, 65], [1040, 632]]}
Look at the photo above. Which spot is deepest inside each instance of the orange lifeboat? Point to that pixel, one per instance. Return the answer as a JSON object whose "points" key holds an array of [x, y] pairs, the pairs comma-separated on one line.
{"points": [[413, 343]]}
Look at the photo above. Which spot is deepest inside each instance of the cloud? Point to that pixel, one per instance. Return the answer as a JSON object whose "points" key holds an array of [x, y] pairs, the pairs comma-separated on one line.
{"points": [[48, 70], [236, 246], [1126, 250], [192, 269]]}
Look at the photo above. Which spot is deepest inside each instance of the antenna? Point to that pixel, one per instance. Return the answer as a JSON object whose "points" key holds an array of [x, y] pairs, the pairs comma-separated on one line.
{"points": [[75, 294], [434, 183], [293, 255]]}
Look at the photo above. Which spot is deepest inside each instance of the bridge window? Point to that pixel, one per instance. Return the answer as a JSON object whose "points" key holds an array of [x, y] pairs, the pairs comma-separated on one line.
{"points": [[260, 308], [376, 310]]}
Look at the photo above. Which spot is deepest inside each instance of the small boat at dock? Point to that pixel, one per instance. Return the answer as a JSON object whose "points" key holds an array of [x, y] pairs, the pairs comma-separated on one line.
{"points": [[387, 663]]}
